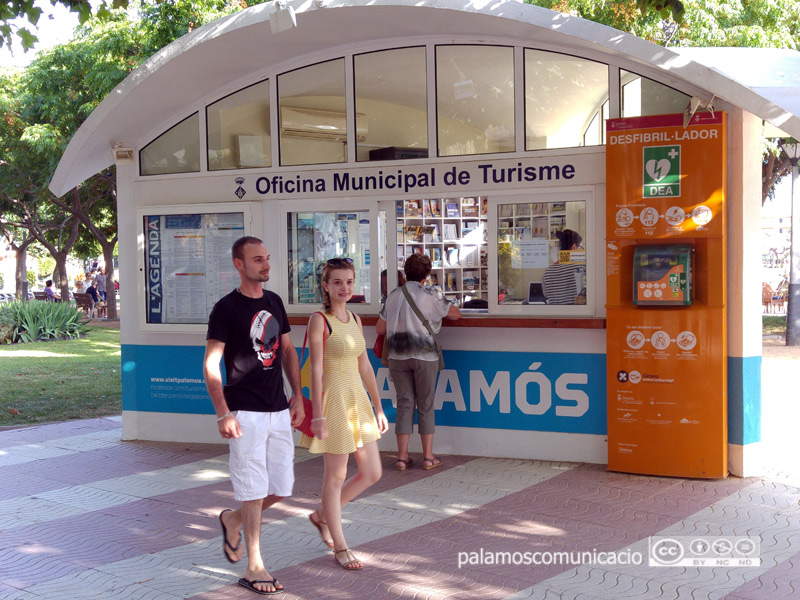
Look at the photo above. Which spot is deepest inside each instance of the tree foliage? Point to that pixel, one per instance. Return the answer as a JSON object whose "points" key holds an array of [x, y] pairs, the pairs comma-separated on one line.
{"points": [[10, 12], [703, 23], [698, 23], [44, 105]]}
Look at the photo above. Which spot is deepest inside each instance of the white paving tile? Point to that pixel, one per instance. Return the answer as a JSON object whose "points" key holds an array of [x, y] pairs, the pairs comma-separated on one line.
{"points": [[79, 499], [21, 512], [24, 453], [762, 509], [13, 594], [86, 498], [103, 494], [199, 567]]}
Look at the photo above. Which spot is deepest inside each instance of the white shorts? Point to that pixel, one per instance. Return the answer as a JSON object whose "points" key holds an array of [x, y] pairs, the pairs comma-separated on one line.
{"points": [[262, 459]]}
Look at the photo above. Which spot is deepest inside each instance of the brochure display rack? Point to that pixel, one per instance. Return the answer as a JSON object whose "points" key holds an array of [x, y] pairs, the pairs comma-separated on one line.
{"points": [[452, 232], [530, 220]]}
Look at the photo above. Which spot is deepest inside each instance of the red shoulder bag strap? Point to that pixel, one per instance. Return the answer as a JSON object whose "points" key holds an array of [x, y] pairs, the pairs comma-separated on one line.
{"points": [[324, 337]]}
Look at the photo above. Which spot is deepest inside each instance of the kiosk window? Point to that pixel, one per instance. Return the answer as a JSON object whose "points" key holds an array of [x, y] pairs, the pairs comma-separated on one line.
{"points": [[563, 96], [174, 151], [475, 99], [452, 232], [642, 97], [316, 237], [238, 129], [312, 116], [391, 101], [188, 265], [540, 253]]}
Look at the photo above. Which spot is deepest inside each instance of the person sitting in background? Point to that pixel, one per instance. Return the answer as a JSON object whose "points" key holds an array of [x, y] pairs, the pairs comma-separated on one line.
{"points": [[99, 307], [48, 290], [558, 281]]}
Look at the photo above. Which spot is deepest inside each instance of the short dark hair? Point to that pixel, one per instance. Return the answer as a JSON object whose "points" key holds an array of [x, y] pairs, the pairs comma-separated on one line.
{"points": [[417, 267], [568, 238], [237, 250], [48, 283]]}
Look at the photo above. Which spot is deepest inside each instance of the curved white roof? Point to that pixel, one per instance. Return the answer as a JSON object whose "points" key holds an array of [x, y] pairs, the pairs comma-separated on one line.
{"points": [[158, 94]]}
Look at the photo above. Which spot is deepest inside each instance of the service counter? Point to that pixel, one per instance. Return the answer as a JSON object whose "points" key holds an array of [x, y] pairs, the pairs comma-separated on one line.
{"points": [[512, 387], [470, 321]]}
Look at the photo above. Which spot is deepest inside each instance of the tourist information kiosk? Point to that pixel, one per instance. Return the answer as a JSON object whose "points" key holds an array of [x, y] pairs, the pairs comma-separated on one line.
{"points": [[476, 134]]}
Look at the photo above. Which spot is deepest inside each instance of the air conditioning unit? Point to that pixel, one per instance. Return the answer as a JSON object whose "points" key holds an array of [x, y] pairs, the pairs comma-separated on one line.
{"points": [[318, 124]]}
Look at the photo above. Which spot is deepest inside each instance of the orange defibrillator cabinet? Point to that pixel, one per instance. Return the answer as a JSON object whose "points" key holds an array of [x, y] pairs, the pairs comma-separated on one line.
{"points": [[666, 321]]}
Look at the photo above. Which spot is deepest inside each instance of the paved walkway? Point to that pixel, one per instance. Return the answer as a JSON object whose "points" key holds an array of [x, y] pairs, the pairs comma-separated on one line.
{"points": [[84, 516]]}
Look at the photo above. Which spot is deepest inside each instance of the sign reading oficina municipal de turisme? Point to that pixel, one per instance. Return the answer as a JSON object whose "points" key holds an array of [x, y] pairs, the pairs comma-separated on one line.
{"points": [[441, 177]]}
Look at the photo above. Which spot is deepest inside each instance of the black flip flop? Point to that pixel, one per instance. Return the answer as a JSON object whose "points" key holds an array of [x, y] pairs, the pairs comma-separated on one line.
{"points": [[250, 585], [227, 544]]}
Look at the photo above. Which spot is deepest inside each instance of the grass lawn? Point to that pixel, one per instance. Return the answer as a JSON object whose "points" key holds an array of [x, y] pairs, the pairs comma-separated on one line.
{"points": [[57, 381], [774, 324]]}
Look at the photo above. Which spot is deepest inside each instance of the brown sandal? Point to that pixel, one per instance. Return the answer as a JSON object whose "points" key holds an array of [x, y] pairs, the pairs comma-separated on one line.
{"points": [[350, 559], [402, 465], [431, 463], [318, 525]]}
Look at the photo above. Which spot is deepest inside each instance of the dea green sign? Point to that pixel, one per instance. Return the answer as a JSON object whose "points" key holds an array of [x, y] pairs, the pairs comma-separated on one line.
{"points": [[662, 172]]}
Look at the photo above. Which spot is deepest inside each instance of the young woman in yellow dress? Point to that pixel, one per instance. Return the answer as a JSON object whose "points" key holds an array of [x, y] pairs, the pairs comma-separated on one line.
{"points": [[343, 421]]}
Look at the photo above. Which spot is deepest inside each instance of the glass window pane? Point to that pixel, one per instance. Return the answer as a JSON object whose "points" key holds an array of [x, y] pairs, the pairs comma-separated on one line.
{"points": [[174, 151], [540, 253], [642, 97], [238, 129], [312, 115], [391, 104], [475, 99], [316, 237], [564, 98], [188, 264], [452, 232]]}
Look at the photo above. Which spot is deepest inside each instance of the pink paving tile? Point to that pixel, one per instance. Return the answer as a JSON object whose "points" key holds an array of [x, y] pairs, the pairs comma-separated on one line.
{"points": [[101, 537], [9, 593], [23, 569], [149, 525], [781, 581], [123, 459], [574, 511], [19, 484], [53, 431]]}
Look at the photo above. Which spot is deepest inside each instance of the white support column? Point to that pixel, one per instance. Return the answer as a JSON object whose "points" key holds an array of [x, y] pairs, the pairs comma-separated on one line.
{"points": [[744, 293]]}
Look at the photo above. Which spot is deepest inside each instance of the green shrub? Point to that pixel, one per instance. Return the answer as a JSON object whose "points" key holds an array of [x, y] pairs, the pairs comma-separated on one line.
{"points": [[6, 327], [37, 320]]}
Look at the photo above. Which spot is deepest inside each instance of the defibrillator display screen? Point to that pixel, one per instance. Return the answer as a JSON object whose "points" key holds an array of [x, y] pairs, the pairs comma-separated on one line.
{"points": [[662, 275]]}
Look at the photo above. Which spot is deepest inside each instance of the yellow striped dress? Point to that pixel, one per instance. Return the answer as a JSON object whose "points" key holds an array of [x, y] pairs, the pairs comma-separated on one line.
{"points": [[345, 403]]}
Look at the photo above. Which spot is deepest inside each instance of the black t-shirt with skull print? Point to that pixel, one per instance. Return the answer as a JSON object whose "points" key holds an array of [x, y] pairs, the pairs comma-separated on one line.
{"points": [[251, 330]]}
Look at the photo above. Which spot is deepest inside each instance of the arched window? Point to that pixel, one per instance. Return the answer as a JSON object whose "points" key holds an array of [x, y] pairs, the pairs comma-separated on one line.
{"points": [[475, 99], [238, 129], [564, 99], [391, 104], [177, 150]]}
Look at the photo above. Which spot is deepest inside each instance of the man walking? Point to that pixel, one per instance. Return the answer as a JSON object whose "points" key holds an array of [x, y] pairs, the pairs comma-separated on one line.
{"points": [[250, 330]]}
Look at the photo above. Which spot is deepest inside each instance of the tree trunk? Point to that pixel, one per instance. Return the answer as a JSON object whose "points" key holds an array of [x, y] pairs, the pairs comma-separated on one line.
{"points": [[21, 274], [60, 275], [111, 290]]}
